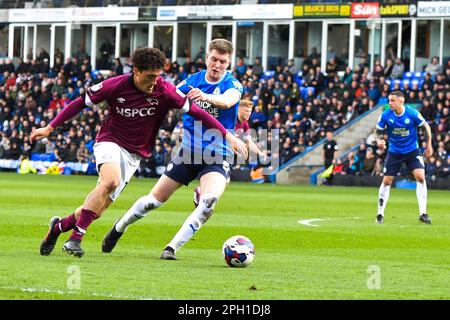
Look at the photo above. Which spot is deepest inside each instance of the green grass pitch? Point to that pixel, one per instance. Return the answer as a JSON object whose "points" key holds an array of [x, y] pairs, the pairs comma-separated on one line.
{"points": [[343, 256]]}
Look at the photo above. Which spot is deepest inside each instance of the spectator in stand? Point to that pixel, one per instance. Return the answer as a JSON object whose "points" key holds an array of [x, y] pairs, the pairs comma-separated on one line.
{"points": [[369, 162], [241, 67], [398, 69], [331, 69], [117, 68], [388, 68], [257, 68], [433, 68]]}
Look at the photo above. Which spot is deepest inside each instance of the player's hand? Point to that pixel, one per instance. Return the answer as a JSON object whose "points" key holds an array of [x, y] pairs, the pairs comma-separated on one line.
{"points": [[196, 94], [239, 146], [41, 133], [263, 156], [381, 144], [428, 151]]}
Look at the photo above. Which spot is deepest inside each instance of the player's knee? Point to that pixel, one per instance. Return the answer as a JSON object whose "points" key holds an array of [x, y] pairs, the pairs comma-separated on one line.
{"points": [[420, 179], [207, 203], [110, 184]]}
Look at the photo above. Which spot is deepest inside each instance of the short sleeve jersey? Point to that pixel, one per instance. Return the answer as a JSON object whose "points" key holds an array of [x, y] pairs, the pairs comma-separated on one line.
{"points": [[227, 117], [134, 116], [401, 129]]}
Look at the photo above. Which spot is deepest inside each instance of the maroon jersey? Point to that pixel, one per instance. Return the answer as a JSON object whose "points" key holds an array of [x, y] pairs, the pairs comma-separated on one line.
{"points": [[134, 116], [242, 129]]}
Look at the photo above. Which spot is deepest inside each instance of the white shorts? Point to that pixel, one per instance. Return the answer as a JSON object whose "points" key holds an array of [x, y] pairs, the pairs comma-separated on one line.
{"points": [[111, 152]]}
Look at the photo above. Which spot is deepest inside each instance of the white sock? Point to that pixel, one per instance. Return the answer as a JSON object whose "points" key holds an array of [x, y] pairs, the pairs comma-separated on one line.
{"points": [[139, 210], [195, 221], [383, 196], [421, 192]]}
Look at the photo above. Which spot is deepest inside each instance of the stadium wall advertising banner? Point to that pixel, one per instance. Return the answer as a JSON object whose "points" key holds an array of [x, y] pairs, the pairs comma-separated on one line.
{"points": [[365, 10], [433, 9], [388, 10], [266, 11], [322, 11], [147, 13], [230, 12], [74, 14]]}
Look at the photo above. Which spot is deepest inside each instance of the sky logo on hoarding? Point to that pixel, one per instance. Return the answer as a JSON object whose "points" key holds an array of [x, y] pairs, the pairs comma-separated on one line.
{"points": [[167, 13]]}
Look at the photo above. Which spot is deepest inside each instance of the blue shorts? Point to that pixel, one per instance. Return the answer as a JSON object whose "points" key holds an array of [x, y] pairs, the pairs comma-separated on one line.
{"points": [[413, 160], [184, 173]]}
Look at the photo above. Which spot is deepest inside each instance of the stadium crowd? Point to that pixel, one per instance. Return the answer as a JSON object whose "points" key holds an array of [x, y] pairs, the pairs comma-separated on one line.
{"points": [[432, 93], [303, 102]]}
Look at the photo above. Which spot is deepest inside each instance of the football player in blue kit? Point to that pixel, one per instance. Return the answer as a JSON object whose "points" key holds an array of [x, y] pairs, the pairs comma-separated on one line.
{"points": [[401, 124], [218, 92]]}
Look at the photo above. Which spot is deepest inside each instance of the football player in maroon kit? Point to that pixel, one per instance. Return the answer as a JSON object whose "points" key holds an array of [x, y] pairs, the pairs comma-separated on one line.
{"points": [[242, 131], [138, 103]]}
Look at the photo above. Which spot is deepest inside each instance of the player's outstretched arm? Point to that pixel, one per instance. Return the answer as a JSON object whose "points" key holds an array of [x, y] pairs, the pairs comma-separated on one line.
{"points": [[222, 101], [211, 123], [254, 148], [41, 133], [429, 149], [70, 111]]}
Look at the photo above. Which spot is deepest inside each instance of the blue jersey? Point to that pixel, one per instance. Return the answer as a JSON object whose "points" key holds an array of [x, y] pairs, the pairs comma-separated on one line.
{"points": [[401, 129], [227, 117]]}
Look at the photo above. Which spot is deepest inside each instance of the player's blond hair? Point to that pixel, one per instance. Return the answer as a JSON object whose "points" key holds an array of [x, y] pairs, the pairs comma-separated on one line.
{"points": [[245, 104], [221, 45]]}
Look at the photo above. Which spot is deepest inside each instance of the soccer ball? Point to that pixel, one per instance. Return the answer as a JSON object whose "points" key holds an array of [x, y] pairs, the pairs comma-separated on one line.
{"points": [[238, 251]]}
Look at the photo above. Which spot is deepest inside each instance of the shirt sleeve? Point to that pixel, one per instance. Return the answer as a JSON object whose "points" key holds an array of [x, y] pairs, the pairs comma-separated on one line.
{"points": [[178, 99], [100, 92], [183, 86], [381, 125], [419, 120], [234, 84]]}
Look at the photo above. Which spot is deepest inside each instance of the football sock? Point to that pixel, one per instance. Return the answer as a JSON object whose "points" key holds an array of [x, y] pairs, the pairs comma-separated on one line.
{"points": [[86, 218], [139, 210], [65, 224], [383, 196], [195, 221], [421, 192]]}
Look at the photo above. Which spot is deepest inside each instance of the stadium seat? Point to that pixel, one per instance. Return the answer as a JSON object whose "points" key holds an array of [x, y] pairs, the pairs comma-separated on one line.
{"points": [[405, 81], [35, 156], [269, 74], [94, 74], [407, 75], [418, 75], [418, 82]]}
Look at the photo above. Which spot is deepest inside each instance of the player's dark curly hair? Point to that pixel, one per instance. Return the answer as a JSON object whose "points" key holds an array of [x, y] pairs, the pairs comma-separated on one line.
{"points": [[148, 59]]}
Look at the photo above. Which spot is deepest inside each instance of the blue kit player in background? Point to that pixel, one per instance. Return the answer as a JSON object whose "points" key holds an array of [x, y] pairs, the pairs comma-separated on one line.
{"points": [[401, 124], [218, 92]]}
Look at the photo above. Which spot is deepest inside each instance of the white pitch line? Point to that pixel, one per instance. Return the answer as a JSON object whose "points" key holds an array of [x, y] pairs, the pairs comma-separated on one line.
{"points": [[62, 292], [308, 222]]}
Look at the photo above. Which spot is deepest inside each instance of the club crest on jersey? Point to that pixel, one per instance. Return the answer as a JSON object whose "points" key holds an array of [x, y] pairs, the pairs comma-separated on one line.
{"points": [[152, 101], [216, 90], [97, 87], [120, 100], [407, 121], [237, 85]]}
